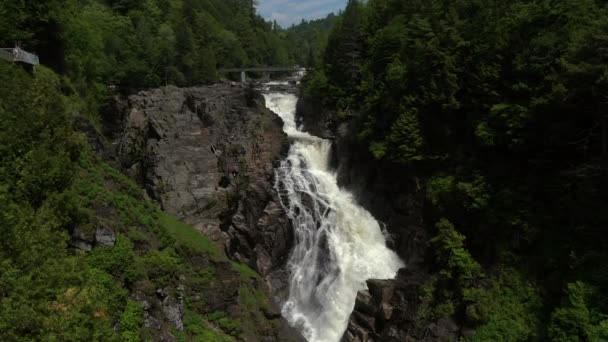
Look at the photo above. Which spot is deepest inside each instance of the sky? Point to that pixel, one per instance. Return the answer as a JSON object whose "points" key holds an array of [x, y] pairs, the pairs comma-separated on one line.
{"points": [[287, 12]]}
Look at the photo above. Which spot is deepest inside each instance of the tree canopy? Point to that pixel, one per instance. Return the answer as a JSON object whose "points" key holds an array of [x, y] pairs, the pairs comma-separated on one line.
{"points": [[501, 106]]}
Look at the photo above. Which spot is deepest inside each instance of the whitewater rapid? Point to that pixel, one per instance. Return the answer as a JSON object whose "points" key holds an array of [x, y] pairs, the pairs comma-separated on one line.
{"points": [[338, 244]]}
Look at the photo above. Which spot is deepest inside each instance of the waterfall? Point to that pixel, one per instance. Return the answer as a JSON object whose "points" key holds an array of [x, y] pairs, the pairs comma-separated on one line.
{"points": [[339, 244]]}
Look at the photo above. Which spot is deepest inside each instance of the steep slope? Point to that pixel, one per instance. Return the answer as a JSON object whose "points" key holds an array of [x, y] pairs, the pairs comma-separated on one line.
{"points": [[207, 156], [476, 131], [87, 255]]}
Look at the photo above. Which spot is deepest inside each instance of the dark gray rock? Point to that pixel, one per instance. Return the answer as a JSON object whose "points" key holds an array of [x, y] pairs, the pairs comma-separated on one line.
{"points": [[174, 311], [104, 236], [206, 155], [316, 119], [151, 322], [82, 240]]}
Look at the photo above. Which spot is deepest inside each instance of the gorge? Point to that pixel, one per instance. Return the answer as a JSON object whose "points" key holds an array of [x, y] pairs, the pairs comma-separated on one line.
{"points": [[216, 158], [438, 175]]}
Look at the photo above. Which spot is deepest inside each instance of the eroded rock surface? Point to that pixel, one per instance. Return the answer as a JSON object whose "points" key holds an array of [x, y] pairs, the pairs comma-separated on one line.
{"points": [[207, 155]]}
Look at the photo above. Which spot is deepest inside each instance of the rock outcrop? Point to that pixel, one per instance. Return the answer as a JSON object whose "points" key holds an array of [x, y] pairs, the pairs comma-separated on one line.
{"points": [[207, 155]]}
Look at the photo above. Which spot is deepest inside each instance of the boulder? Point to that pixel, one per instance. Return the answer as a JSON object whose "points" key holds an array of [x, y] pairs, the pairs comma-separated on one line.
{"points": [[104, 236]]}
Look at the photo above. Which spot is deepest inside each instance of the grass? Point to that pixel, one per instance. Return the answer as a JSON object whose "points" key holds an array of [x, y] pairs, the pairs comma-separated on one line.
{"points": [[253, 299], [155, 246], [190, 237], [245, 271], [197, 329]]}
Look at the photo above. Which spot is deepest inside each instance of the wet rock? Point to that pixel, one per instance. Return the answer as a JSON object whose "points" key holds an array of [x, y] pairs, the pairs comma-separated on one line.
{"points": [[364, 303]]}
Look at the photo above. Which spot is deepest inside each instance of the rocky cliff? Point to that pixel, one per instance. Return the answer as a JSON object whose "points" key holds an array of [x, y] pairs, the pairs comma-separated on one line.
{"points": [[388, 311], [207, 156]]}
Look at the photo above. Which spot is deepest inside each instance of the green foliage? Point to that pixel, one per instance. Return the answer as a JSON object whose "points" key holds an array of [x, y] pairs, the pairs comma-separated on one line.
{"points": [[228, 325], [187, 236], [53, 185], [405, 136], [475, 193], [117, 260], [505, 125], [445, 192], [454, 260], [485, 135], [141, 44], [131, 321], [499, 107], [577, 319], [440, 187], [245, 271], [308, 40], [253, 298], [345, 48], [43, 289], [196, 329], [506, 311]]}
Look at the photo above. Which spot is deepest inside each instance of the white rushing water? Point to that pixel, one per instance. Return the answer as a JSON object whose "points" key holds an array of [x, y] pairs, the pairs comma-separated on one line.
{"points": [[339, 244]]}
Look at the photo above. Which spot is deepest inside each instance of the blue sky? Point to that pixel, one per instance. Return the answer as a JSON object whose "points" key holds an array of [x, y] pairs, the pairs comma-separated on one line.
{"points": [[287, 12]]}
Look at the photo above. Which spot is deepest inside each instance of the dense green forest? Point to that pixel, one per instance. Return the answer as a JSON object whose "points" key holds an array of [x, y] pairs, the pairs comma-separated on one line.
{"points": [[136, 44], [53, 184], [498, 109], [308, 39]]}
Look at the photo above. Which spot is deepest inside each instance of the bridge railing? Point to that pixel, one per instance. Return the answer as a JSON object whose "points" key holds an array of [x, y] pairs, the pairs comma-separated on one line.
{"points": [[18, 55], [7, 54], [261, 69]]}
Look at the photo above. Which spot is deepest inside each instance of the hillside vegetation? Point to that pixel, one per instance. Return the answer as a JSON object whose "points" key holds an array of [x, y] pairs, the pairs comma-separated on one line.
{"points": [[136, 44], [57, 193], [498, 111], [54, 185]]}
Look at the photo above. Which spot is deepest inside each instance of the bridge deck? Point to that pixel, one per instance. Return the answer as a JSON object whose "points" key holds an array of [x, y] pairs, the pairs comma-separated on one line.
{"points": [[18, 55], [269, 69]]}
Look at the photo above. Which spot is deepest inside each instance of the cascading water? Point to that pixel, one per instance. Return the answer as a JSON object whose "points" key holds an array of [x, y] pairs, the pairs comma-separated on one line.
{"points": [[339, 245]]}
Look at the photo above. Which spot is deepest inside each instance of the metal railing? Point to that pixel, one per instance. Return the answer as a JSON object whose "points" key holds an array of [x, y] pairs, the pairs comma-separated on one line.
{"points": [[269, 69], [18, 55]]}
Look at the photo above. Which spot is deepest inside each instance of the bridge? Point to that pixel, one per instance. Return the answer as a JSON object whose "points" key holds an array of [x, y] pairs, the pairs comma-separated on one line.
{"points": [[17, 55], [244, 71]]}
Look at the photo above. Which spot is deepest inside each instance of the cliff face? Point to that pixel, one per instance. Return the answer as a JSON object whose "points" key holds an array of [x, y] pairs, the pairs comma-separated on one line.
{"points": [[207, 155], [388, 310]]}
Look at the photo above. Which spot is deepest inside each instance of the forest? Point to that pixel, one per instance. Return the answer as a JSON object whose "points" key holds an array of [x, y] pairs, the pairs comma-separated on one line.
{"points": [[498, 110], [54, 185], [139, 44]]}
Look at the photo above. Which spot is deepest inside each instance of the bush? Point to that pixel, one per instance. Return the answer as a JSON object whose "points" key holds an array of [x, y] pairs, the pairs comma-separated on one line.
{"points": [[131, 321], [577, 320]]}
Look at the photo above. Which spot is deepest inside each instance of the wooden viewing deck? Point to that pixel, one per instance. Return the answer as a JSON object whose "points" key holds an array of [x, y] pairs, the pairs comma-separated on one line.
{"points": [[18, 55]]}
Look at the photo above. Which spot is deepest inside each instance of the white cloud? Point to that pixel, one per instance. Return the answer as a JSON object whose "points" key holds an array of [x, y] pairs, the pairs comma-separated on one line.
{"points": [[288, 12]]}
